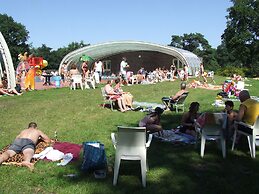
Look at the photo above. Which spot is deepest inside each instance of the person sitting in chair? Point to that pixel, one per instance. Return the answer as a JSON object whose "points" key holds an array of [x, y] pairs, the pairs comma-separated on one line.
{"points": [[248, 111], [115, 96], [127, 96], [174, 98]]}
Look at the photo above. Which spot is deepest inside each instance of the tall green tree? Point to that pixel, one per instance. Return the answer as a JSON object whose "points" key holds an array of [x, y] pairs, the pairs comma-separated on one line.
{"points": [[15, 35], [196, 43], [242, 33]]}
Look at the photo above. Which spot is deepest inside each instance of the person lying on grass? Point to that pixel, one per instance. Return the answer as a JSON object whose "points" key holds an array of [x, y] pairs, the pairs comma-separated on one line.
{"points": [[10, 92], [25, 142]]}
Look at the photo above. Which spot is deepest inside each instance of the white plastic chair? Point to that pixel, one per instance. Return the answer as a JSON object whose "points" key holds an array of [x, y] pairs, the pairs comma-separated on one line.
{"points": [[212, 129], [89, 80], [240, 85], [251, 137], [133, 79], [76, 79], [131, 144]]}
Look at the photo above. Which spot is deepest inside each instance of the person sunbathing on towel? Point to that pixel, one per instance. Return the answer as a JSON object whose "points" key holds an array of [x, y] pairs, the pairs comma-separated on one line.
{"points": [[25, 142], [8, 92]]}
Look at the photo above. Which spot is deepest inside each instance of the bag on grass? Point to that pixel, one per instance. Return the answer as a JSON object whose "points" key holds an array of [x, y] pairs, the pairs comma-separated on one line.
{"points": [[94, 157]]}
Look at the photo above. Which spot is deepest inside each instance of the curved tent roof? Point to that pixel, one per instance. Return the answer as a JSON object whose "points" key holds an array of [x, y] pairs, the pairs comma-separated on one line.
{"points": [[117, 47]]}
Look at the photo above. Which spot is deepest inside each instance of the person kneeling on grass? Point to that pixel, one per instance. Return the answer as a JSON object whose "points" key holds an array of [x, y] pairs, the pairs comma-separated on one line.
{"points": [[25, 142], [152, 121]]}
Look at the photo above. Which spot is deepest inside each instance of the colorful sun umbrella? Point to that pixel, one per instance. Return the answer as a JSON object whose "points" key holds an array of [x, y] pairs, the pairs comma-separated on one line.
{"points": [[86, 58]]}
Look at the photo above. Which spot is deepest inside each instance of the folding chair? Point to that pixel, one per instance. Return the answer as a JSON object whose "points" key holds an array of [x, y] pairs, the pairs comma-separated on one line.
{"points": [[179, 103], [107, 99]]}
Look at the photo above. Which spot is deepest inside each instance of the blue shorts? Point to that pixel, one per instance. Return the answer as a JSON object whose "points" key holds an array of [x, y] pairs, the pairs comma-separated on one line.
{"points": [[21, 144]]}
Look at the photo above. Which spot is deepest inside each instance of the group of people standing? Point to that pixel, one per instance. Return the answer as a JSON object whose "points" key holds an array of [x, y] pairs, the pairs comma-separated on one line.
{"points": [[84, 70]]}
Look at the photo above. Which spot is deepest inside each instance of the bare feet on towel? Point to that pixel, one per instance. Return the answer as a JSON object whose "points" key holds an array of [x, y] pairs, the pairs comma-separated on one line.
{"points": [[29, 165]]}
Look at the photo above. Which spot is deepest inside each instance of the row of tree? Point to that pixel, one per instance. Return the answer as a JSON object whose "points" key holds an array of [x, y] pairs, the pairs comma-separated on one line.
{"points": [[240, 41], [239, 47]]}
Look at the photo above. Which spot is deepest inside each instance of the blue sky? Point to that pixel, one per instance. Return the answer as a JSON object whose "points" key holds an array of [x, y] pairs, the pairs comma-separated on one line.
{"points": [[57, 23]]}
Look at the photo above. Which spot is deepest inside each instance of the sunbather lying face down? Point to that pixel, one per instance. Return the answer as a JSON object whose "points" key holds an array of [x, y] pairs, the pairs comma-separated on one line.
{"points": [[25, 142]]}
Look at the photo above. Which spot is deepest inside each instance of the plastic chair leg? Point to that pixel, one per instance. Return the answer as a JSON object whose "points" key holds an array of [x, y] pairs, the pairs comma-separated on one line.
{"points": [[234, 140], [253, 146], [143, 171], [93, 84], [81, 85], [249, 139], [116, 170], [111, 105], [203, 141], [223, 147]]}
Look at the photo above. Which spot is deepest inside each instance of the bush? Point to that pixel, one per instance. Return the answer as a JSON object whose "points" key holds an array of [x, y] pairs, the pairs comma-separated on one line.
{"points": [[230, 70]]}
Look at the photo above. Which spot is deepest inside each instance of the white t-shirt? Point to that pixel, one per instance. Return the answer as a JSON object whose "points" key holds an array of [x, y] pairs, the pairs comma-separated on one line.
{"points": [[123, 66], [99, 66]]}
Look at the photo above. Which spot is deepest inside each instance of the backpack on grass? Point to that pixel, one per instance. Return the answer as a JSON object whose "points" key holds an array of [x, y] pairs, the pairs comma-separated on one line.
{"points": [[94, 157]]}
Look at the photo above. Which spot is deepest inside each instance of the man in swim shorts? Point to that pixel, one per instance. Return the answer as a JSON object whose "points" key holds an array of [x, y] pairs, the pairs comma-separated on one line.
{"points": [[25, 142]]}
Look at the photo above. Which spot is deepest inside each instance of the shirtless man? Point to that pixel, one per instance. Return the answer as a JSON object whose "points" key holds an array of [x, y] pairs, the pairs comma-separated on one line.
{"points": [[175, 97], [25, 142]]}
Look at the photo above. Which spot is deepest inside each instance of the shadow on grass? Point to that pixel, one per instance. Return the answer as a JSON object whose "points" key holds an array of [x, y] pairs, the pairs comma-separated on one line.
{"points": [[176, 169]]}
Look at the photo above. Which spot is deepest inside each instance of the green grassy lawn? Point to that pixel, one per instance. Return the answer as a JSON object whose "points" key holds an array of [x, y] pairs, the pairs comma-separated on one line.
{"points": [[77, 117]]}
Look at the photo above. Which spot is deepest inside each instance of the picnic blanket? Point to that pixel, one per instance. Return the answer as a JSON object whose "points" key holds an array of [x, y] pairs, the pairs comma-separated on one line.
{"points": [[175, 137], [148, 104], [18, 158], [67, 147]]}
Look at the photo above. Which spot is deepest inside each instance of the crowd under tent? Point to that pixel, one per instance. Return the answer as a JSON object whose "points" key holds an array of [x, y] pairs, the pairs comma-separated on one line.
{"points": [[139, 54]]}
